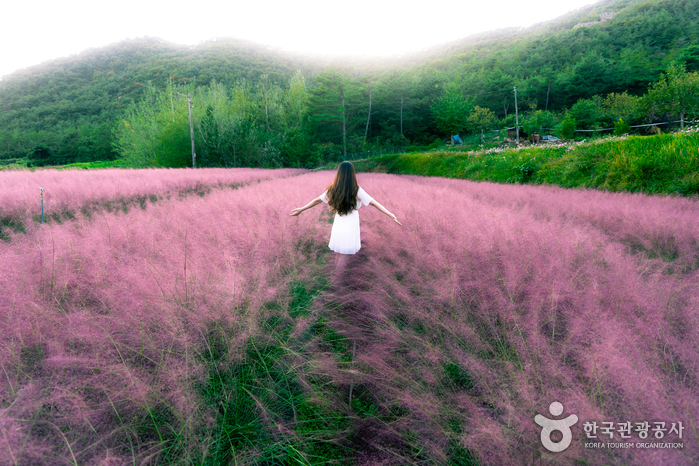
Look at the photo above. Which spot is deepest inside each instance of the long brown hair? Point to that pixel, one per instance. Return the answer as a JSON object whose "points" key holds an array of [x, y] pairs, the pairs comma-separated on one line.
{"points": [[342, 192]]}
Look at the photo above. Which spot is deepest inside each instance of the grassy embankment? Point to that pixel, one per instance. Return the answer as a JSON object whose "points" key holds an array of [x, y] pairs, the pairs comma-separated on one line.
{"points": [[659, 164], [21, 164]]}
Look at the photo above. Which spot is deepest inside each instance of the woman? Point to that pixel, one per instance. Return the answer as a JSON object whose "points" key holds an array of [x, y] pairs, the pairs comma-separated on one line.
{"points": [[345, 197]]}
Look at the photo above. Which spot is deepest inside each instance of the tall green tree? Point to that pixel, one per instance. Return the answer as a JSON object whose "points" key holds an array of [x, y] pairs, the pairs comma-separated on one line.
{"points": [[452, 110], [270, 104], [296, 144], [401, 108], [677, 93], [296, 101], [328, 106], [587, 113]]}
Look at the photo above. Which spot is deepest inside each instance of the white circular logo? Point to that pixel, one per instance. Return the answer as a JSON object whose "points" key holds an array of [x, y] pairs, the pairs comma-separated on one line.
{"points": [[551, 425]]}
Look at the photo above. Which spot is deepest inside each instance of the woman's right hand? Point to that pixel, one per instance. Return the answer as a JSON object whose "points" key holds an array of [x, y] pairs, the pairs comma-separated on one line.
{"points": [[296, 211]]}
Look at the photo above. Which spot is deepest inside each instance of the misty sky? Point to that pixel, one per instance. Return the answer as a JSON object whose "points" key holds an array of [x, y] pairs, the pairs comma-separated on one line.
{"points": [[36, 31]]}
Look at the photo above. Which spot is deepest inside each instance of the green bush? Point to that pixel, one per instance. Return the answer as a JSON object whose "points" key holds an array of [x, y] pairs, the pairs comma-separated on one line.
{"points": [[586, 114], [621, 127], [567, 127]]}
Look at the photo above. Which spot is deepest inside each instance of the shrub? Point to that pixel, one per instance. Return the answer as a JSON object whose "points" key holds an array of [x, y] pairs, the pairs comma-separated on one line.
{"points": [[566, 129], [480, 119], [621, 127], [586, 113]]}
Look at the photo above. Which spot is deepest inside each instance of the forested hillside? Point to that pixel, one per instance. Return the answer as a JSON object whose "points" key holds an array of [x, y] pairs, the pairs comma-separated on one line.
{"points": [[560, 64], [71, 105], [260, 107]]}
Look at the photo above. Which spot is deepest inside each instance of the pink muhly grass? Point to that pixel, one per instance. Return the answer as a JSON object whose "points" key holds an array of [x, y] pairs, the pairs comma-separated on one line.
{"points": [[489, 303], [111, 315], [661, 226], [540, 295], [71, 190]]}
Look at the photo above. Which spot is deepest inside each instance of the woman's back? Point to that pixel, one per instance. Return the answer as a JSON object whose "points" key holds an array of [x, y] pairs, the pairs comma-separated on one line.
{"points": [[345, 197]]}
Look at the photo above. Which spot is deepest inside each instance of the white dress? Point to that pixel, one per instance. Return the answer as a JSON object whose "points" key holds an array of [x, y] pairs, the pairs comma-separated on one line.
{"points": [[344, 237]]}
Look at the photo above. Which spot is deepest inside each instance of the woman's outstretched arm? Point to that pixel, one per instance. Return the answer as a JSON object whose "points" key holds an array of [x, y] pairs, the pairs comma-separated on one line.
{"points": [[313, 203], [383, 209]]}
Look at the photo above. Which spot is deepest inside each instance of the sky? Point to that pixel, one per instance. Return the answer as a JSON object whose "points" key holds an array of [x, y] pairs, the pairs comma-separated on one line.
{"points": [[35, 31]]}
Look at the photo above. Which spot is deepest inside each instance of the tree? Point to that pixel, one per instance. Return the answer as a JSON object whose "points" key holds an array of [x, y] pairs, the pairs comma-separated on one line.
{"points": [[296, 144], [270, 101], [41, 155], [593, 75], [451, 111], [620, 105], [586, 113], [400, 110], [539, 121], [295, 101], [690, 57], [137, 135], [328, 110], [480, 119], [676, 93]]}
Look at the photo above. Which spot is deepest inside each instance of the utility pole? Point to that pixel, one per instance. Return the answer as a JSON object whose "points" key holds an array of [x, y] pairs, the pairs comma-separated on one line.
{"points": [[191, 131], [344, 124], [547, 97], [368, 118], [172, 102], [516, 116], [401, 116], [42, 204]]}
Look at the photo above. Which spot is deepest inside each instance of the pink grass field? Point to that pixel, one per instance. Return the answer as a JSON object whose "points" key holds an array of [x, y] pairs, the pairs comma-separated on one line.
{"points": [[528, 294], [73, 189]]}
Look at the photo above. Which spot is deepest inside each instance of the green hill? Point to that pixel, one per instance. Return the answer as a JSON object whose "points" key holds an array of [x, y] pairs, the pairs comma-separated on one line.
{"points": [[66, 110], [71, 104], [623, 53]]}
